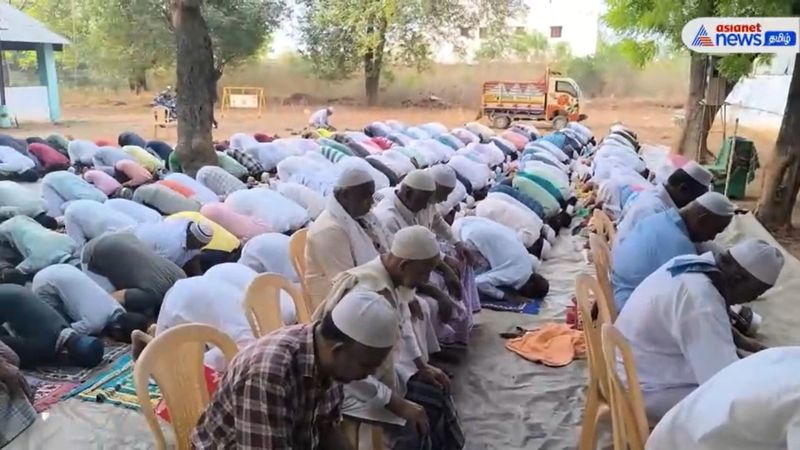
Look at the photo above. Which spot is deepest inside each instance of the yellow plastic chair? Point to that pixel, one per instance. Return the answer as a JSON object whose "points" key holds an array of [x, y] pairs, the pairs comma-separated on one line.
{"points": [[262, 303], [586, 288], [601, 255], [297, 251], [628, 416], [604, 226], [174, 359]]}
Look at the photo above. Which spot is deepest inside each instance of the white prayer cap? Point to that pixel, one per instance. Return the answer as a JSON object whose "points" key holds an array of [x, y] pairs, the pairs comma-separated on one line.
{"points": [[759, 258], [353, 176], [443, 175], [367, 318], [698, 172], [415, 243], [716, 204], [420, 180], [202, 231]]}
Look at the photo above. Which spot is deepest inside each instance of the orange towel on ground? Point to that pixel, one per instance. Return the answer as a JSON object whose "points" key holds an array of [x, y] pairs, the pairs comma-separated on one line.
{"points": [[554, 345]]}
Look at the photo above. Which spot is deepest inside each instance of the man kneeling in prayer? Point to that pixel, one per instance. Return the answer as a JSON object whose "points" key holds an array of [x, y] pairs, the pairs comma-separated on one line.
{"points": [[396, 276], [285, 390], [677, 320], [505, 269]]}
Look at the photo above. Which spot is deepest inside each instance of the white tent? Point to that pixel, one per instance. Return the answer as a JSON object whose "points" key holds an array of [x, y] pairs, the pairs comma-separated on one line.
{"points": [[758, 101]]}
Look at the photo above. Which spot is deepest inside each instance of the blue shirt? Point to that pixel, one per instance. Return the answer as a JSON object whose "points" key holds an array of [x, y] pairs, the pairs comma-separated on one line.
{"points": [[653, 241]]}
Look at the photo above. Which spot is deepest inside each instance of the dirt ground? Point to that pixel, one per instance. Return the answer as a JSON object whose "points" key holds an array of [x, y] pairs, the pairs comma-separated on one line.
{"points": [[92, 118]]}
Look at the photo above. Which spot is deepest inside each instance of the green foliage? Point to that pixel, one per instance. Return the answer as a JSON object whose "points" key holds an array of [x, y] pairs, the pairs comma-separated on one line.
{"points": [[643, 22], [340, 37], [125, 38]]}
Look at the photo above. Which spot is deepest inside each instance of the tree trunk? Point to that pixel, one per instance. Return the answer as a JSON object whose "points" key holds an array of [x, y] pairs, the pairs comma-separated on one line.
{"points": [[782, 174], [691, 138], [373, 64], [195, 74]]}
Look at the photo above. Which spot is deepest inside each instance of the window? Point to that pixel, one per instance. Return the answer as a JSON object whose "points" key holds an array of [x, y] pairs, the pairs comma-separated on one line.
{"points": [[464, 32], [555, 32], [566, 87], [519, 30], [483, 32]]}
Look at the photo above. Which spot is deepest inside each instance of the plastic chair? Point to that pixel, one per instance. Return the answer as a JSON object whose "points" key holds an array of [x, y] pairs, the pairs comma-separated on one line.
{"points": [[601, 255], [297, 251], [628, 416], [586, 288], [174, 359], [604, 226], [262, 303], [352, 430]]}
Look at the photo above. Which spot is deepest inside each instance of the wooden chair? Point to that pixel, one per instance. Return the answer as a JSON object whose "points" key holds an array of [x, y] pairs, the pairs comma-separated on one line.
{"points": [[174, 359], [262, 303], [604, 226], [628, 417], [161, 119], [586, 288], [601, 255], [297, 251]]}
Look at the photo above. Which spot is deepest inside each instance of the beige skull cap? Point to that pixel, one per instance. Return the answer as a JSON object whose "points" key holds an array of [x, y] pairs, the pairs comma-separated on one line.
{"points": [[419, 179], [717, 204], [367, 318], [353, 176], [415, 243], [698, 172], [760, 259]]}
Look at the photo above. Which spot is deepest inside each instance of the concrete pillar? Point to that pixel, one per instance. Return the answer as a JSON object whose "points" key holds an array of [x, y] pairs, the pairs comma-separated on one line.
{"points": [[45, 58]]}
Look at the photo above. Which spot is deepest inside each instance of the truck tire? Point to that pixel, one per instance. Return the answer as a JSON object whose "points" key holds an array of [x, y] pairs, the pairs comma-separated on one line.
{"points": [[559, 122], [501, 121]]}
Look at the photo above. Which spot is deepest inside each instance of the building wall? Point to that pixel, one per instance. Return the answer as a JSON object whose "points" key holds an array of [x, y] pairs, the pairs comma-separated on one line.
{"points": [[29, 103], [579, 21]]}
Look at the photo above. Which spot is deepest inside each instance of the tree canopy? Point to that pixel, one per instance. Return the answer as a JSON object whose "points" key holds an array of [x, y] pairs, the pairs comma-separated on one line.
{"points": [[341, 37], [126, 38]]}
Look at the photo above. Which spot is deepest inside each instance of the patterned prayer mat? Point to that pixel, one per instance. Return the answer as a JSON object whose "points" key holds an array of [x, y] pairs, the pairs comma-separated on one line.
{"points": [[115, 386], [48, 393], [74, 374]]}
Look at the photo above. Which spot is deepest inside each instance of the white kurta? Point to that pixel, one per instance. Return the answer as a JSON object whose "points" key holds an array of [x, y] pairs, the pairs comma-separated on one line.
{"points": [[526, 224], [269, 252], [168, 239], [208, 301], [86, 219], [138, 212], [240, 276], [680, 334], [270, 206], [510, 263], [751, 404]]}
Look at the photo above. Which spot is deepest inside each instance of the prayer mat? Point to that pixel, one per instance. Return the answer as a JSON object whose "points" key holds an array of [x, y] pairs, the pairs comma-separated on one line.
{"points": [[48, 393], [115, 386], [531, 307], [74, 374]]}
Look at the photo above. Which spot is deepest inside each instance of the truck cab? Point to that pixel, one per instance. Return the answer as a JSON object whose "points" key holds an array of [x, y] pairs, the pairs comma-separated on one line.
{"points": [[555, 98]]}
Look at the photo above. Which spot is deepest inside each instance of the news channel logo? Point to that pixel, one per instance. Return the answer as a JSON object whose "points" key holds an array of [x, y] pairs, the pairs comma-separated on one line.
{"points": [[742, 34]]}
